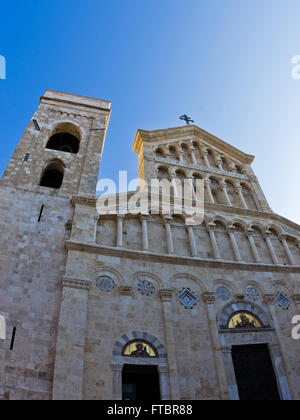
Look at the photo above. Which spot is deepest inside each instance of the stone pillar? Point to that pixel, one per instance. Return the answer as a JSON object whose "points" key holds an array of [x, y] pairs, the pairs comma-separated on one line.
{"points": [[117, 382], [282, 381], [269, 300], [205, 157], [69, 359], [169, 236], [180, 154], [239, 190], [209, 300], [191, 179], [194, 160], [166, 297], [192, 241], [230, 374], [224, 189], [219, 163], [211, 197], [287, 250], [234, 243], [271, 249], [145, 233], [96, 220], [164, 381], [211, 227], [120, 218], [253, 246]]}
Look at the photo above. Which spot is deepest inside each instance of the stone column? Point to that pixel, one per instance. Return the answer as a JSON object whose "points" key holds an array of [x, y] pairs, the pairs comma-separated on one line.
{"points": [[169, 235], [205, 157], [287, 250], [211, 197], [96, 220], [271, 248], [209, 300], [253, 246], [269, 300], [219, 163], [224, 189], [164, 381], [194, 160], [192, 241], [180, 154], [120, 218], [166, 297], [69, 359], [234, 243], [239, 190], [145, 233], [191, 179], [211, 227], [117, 382], [230, 373]]}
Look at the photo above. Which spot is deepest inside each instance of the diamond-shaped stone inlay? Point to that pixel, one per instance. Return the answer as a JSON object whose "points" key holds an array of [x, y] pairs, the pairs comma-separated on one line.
{"points": [[187, 298], [223, 293], [145, 288], [252, 294], [283, 301], [105, 284]]}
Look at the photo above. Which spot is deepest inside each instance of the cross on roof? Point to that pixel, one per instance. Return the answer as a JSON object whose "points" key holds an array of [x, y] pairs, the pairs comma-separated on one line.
{"points": [[187, 119]]}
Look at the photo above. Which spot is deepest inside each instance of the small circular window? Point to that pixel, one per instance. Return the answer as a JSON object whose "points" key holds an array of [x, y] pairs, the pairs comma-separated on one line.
{"points": [[105, 284]]}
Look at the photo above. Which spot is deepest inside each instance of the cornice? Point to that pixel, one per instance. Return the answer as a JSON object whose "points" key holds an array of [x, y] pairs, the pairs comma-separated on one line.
{"points": [[72, 245]]}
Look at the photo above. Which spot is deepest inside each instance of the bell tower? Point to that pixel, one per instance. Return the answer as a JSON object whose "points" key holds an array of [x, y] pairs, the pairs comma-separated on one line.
{"points": [[61, 148]]}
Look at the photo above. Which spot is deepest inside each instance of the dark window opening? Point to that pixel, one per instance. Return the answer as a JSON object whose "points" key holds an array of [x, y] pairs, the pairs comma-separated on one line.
{"points": [[41, 213], [27, 156], [141, 383], [53, 176], [254, 373], [12, 343], [64, 142]]}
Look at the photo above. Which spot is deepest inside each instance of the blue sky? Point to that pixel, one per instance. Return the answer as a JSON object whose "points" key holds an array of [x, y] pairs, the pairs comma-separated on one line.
{"points": [[227, 63]]}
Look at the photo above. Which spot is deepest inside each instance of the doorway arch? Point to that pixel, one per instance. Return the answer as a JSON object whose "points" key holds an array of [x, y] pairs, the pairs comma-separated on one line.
{"points": [[160, 361]]}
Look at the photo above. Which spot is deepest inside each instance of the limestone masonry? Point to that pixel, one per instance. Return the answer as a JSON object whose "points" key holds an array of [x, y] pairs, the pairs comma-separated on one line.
{"points": [[210, 305]]}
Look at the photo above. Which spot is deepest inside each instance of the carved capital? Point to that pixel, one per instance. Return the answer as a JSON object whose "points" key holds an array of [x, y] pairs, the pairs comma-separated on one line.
{"points": [[126, 291], [296, 298], [166, 295], [209, 298], [269, 299]]}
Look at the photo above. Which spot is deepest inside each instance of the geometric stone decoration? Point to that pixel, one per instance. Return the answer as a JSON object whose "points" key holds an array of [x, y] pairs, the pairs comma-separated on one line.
{"points": [[283, 301], [105, 284], [187, 298], [252, 294], [223, 294], [145, 288]]}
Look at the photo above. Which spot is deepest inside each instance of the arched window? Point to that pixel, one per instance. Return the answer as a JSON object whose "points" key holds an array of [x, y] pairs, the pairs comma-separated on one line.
{"points": [[53, 175], [65, 138], [162, 173], [244, 321], [140, 348], [159, 153]]}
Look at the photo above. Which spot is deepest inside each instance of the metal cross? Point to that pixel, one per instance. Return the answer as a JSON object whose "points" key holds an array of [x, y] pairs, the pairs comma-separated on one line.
{"points": [[187, 119]]}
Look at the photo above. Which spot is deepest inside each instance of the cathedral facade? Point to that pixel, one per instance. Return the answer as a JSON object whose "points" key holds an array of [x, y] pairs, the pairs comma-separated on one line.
{"points": [[137, 306]]}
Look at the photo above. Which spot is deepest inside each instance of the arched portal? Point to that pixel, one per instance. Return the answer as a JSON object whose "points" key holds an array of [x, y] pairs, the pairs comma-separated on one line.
{"points": [[140, 368], [251, 353]]}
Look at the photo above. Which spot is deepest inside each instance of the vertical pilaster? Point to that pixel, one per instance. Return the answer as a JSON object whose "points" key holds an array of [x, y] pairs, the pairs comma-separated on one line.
{"points": [[239, 190], [208, 188], [230, 373], [169, 235], [209, 300], [69, 360], [271, 249], [145, 233], [192, 241], [253, 246], [166, 297]]}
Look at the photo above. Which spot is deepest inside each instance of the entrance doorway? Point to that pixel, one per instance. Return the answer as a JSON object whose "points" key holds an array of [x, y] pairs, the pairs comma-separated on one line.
{"points": [[140, 383], [254, 372]]}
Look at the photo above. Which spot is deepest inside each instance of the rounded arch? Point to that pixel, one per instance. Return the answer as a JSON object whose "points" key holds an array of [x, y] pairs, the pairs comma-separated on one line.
{"points": [[65, 137], [163, 172], [107, 271], [121, 344], [242, 306], [144, 274], [255, 285], [159, 152], [53, 174], [240, 224], [199, 285], [275, 228]]}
